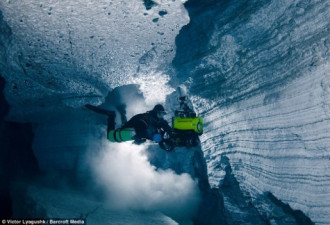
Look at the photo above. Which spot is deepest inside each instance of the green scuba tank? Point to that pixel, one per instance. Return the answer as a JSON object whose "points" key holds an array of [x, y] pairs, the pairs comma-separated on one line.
{"points": [[121, 135], [189, 123]]}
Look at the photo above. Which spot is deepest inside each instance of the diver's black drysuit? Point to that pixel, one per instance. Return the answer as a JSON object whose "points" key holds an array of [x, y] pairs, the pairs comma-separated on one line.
{"points": [[146, 125]]}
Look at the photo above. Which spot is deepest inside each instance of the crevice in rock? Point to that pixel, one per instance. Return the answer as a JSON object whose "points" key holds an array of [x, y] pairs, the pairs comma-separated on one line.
{"points": [[298, 215], [264, 209], [238, 207], [17, 160]]}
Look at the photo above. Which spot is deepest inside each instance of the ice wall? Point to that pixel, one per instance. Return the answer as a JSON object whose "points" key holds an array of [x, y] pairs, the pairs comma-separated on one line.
{"points": [[74, 52], [259, 71]]}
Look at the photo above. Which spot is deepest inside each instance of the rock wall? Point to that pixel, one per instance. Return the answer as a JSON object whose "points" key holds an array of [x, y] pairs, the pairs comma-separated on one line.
{"points": [[259, 71]]}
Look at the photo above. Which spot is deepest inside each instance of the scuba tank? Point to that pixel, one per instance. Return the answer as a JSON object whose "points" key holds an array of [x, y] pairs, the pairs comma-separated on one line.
{"points": [[121, 135]]}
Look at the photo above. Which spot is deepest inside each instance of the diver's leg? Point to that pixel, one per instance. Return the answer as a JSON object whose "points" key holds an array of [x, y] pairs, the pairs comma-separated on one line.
{"points": [[99, 110], [111, 122], [111, 115], [122, 111]]}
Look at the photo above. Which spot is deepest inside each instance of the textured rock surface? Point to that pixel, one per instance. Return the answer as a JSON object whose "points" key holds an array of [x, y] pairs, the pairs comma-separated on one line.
{"points": [[73, 52], [261, 79]]}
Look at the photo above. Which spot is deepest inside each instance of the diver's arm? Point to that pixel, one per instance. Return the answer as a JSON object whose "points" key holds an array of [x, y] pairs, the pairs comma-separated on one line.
{"points": [[163, 124]]}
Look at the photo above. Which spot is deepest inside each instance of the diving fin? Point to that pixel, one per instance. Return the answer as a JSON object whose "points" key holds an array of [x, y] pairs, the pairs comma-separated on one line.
{"points": [[100, 110], [111, 115]]}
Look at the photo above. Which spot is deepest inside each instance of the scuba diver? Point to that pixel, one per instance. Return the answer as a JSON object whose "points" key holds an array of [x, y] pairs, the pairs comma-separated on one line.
{"points": [[150, 125]]}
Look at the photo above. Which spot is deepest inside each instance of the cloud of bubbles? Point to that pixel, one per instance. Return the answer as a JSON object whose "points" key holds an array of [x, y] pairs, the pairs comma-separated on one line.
{"points": [[131, 182]]}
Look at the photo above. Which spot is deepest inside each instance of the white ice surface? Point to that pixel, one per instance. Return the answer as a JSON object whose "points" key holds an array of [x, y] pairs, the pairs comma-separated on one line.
{"points": [[74, 52]]}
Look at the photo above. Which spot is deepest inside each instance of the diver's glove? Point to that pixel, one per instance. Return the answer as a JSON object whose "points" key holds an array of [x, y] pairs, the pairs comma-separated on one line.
{"points": [[167, 135], [139, 141], [157, 137]]}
